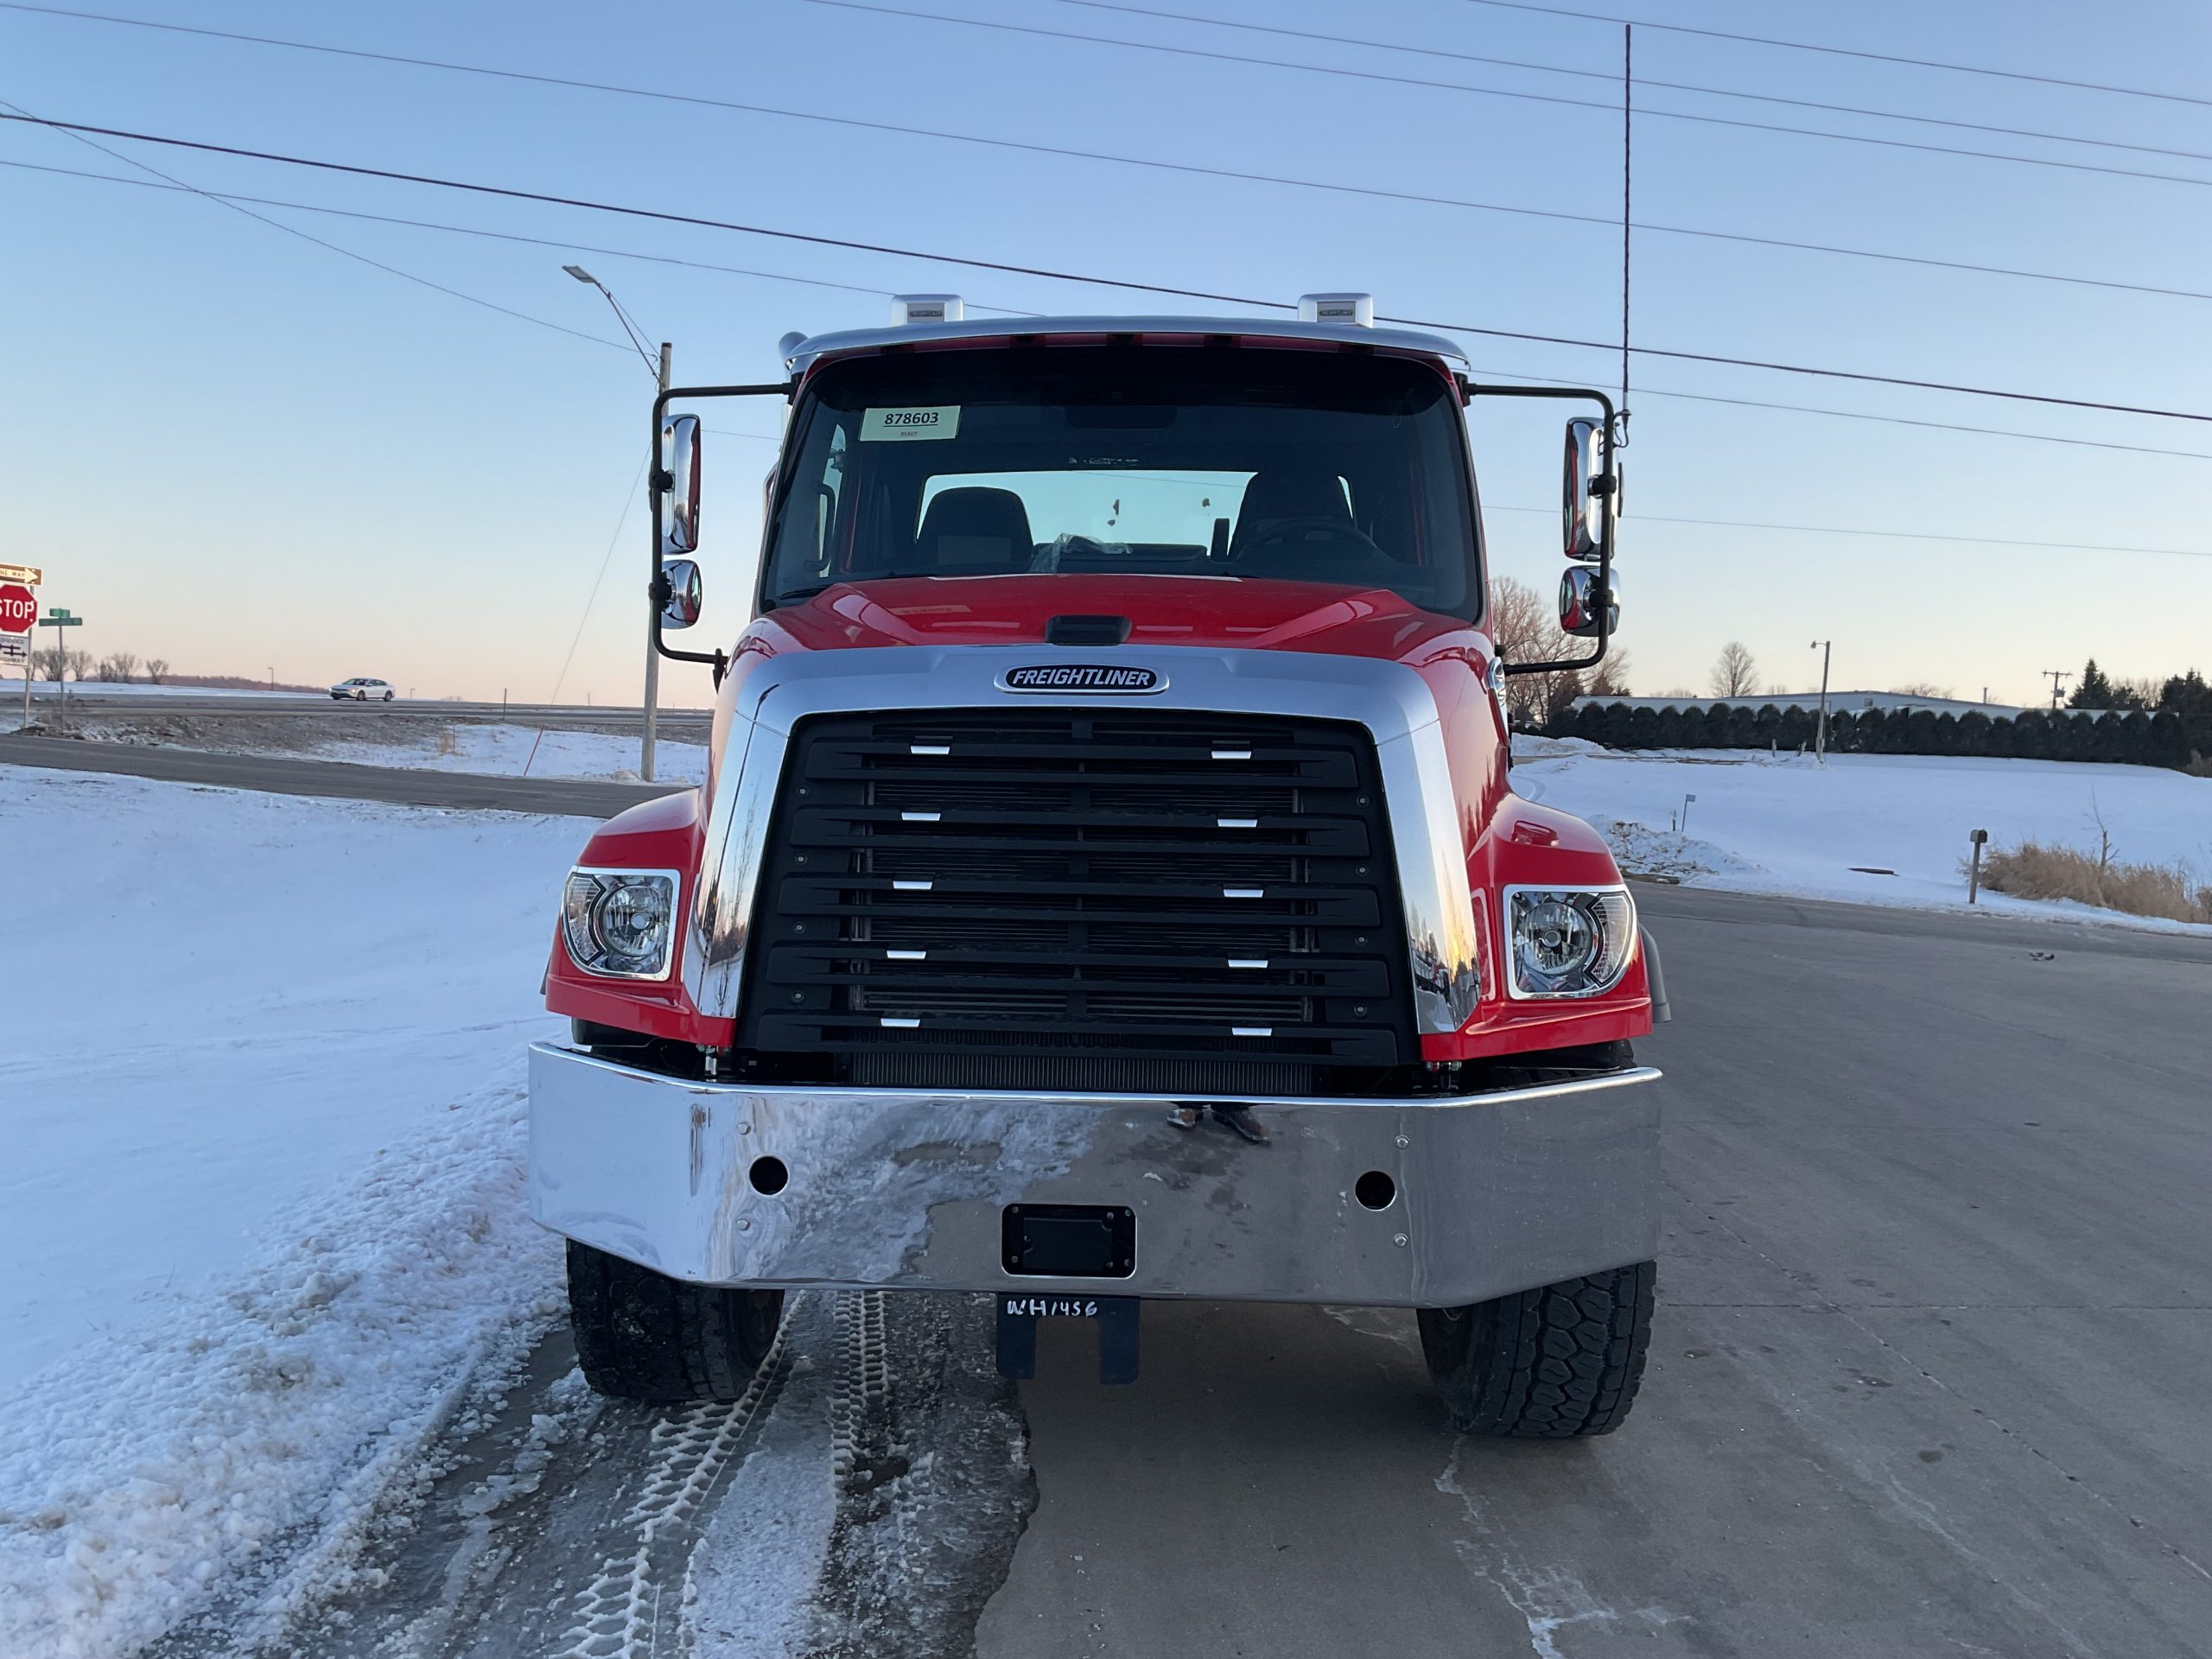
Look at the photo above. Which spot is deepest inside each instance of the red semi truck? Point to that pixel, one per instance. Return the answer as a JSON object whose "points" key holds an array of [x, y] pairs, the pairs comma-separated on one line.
{"points": [[1107, 884]]}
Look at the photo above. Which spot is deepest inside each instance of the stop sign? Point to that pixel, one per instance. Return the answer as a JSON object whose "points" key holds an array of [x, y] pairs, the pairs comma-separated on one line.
{"points": [[18, 610]]}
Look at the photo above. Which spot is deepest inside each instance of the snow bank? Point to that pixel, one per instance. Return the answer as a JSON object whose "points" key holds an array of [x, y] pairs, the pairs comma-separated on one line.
{"points": [[259, 1174], [506, 750], [276, 1408], [1865, 829]]}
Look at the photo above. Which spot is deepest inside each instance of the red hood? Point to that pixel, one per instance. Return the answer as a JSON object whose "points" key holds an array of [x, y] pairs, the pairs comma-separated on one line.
{"points": [[1255, 614]]}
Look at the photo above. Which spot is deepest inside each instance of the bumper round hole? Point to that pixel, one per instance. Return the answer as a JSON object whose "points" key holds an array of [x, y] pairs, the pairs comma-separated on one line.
{"points": [[1375, 1190], [768, 1176]]}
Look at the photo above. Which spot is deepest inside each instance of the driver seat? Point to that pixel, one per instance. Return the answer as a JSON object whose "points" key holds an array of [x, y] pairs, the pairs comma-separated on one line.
{"points": [[1277, 495]]}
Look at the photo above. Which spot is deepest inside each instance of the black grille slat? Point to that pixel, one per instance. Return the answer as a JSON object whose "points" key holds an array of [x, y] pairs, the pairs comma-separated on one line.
{"points": [[1078, 871]]}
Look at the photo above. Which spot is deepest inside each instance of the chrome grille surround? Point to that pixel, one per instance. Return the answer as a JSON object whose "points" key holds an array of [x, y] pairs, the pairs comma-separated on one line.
{"points": [[1390, 700]]}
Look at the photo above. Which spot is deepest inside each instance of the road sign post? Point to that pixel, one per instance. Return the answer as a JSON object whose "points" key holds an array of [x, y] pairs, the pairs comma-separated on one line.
{"points": [[56, 618], [18, 614]]}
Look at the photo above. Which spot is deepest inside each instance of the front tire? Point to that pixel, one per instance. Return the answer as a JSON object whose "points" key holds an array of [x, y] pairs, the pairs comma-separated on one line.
{"points": [[641, 1335], [1553, 1363]]}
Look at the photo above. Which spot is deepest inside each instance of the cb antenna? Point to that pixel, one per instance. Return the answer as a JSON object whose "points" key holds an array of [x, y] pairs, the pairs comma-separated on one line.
{"points": [[1628, 117]]}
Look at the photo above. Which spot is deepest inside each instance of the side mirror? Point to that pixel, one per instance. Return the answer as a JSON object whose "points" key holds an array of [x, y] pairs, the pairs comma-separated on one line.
{"points": [[679, 444], [1578, 595], [679, 594], [1582, 496]]}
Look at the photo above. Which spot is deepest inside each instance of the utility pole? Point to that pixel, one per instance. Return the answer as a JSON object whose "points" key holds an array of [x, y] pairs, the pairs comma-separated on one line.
{"points": [[2055, 676], [1821, 732], [652, 647], [652, 650]]}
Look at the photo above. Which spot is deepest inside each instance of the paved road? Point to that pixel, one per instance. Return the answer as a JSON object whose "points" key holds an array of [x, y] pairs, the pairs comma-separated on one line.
{"points": [[1930, 1374], [686, 725], [1929, 1378], [402, 785]]}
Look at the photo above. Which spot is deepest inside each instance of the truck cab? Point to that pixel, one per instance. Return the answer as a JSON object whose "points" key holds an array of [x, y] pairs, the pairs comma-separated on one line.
{"points": [[1106, 885]]}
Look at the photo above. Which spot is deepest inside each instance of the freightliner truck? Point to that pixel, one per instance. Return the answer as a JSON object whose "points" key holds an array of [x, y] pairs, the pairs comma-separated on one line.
{"points": [[1107, 883]]}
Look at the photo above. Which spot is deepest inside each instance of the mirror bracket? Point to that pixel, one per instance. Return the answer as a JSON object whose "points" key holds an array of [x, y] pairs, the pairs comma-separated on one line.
{"points": [[1606, 520], [664, 483]]}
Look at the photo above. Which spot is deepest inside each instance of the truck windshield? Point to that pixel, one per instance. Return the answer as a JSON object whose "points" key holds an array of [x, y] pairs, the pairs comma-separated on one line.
{"points": [[1230, 463]]}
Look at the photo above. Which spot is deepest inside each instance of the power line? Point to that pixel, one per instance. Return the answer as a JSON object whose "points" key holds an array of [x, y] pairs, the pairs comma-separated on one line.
{"points": [[1344, 72], [1887, 535], [1645, 80], [1376, 192], [497, 236], [969, 262], [175, 183], [856, 288], [1848, 51]]}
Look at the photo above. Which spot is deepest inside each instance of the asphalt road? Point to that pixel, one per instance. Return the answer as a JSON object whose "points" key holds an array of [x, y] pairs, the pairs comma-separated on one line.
{"points": [[1929, 1378], [1930, 1374], [400, 785], [688, 725]]}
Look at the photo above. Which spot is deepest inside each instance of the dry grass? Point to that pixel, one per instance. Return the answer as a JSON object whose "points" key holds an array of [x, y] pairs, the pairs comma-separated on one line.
{"points": [[2032, 870]]}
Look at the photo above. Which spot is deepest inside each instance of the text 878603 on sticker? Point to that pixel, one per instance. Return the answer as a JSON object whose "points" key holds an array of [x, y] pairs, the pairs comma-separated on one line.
{"points": [[910, 425]]}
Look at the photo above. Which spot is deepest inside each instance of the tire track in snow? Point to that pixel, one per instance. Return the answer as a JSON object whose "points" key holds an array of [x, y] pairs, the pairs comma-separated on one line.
{"points": [[622, 1612]]}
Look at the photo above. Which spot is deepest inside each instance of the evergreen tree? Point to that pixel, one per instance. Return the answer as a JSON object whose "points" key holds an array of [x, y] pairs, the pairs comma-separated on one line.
{"points": [[2095, 690]]}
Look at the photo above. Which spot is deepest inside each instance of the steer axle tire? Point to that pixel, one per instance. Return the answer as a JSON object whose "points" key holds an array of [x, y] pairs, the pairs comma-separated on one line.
{"points": [[641, 1335], [1551, 1363]]}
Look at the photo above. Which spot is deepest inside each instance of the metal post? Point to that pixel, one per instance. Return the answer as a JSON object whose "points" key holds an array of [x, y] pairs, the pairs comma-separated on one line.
{"points": [[653, 651], [1821, 732], [1973, 871]]}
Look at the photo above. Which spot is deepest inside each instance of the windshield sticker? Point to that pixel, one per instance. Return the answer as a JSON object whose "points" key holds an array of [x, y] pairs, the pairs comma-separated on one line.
{"points": [[909, 425]]}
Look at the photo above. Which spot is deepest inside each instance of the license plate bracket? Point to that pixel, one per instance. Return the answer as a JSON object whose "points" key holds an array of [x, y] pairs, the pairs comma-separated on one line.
{"points": [[1068, 1241], [1115, 1316]]}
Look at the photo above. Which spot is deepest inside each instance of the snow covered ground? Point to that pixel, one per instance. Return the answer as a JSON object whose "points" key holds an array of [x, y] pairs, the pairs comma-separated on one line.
{"points": [[506, 750], [46, 690], [260, 1157], [1865, 829]]}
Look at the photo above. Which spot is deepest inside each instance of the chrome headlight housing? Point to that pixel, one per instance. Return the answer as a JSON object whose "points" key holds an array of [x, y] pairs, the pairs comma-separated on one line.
{"points": [[620, 923], [1567, 941]]}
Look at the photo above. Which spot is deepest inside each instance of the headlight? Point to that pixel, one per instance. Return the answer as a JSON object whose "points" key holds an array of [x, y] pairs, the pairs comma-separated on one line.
{"points": [[1568, 941], [619, 924]]}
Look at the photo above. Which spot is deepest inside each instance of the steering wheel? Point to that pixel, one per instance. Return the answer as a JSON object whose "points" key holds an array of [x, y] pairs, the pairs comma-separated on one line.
{"points": [[1342, 531]]}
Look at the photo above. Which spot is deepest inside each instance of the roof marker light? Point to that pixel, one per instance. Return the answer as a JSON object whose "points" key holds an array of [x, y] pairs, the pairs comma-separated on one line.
{"points": [[932, 307], [1358, 310]]}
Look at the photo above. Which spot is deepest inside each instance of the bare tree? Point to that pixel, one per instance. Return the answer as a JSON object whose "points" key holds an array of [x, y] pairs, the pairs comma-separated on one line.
{"points": [[80, 665], [1609, 677], [156, 667], [49, 662], [118, 667], [1734, 672], [1922, 689], [1523, 629]]}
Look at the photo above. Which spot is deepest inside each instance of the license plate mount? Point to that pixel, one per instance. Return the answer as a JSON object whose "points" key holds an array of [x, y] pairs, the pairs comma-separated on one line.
{"points": [[1115, 1316]]}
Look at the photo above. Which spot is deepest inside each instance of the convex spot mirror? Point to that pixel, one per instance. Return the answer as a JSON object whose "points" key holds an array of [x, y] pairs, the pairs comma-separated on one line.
{"points": [[1584, 490], [679, 458], [680, 593], [1578, 595]]}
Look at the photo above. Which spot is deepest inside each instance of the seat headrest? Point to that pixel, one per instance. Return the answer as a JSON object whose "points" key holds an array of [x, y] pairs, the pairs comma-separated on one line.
{"points": [[1278, 493], [976, 532]]}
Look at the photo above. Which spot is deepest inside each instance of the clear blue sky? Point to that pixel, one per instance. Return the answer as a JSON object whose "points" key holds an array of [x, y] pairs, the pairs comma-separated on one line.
{"points": [[239, 451]]}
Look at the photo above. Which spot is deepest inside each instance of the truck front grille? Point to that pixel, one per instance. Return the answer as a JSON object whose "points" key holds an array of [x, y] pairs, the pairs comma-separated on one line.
{"points": [[1024, 898]]}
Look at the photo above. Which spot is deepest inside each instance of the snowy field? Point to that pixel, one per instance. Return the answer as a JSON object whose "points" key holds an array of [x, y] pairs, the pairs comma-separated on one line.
{"points": [[1863, 828], [505, 750], [260, 1175], [46, 690]]}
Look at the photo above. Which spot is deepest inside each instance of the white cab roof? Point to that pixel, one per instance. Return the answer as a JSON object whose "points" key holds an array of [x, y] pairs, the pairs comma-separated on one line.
{"points": [[803, 355]]}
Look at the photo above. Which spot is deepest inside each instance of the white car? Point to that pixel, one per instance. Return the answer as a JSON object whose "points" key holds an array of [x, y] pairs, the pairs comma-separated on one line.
{"points": [[361, 690]]}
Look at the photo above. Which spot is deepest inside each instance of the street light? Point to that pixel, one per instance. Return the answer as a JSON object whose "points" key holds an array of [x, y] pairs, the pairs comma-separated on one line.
{"points": [[653, 651], [1820, 732]]}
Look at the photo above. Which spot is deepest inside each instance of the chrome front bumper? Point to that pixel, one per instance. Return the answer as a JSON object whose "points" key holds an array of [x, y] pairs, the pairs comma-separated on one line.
{"points": [[890, 1188]]}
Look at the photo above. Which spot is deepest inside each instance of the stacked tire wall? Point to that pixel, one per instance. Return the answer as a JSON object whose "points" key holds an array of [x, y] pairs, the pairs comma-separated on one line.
{"points": [[2162, 738]]}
